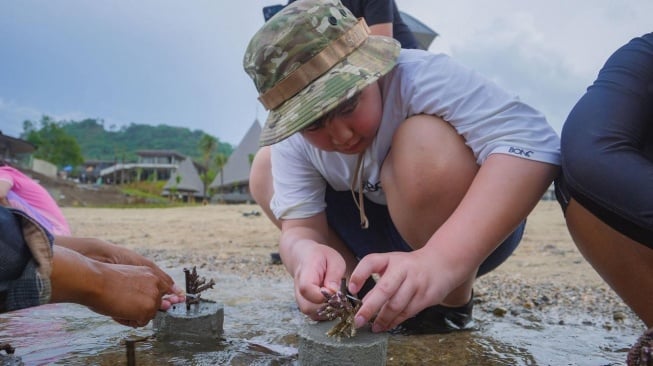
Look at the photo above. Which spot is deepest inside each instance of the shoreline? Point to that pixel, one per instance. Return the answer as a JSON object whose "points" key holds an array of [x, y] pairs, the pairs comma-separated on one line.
{"points": [[546, 273]]}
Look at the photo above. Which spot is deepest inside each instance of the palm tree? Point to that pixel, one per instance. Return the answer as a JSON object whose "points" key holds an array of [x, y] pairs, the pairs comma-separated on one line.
{"points": [[220, 161], [207, 146]]}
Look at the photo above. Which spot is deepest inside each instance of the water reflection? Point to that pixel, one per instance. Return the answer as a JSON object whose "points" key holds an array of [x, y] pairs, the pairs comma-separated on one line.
{"points": [[261, 323]]}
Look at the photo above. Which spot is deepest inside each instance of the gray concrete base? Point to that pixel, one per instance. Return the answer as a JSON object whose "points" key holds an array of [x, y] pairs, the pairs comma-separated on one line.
{"points": [[203, 321], [10, 360], [318, 349]]}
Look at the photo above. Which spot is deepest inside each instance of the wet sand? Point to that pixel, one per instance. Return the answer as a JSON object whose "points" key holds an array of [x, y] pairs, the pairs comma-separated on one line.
{"points": [[546, 283], [238, 239]]}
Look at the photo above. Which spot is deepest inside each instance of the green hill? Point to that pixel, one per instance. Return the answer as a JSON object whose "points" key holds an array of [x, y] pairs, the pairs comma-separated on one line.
{"points": [[99, 144]]}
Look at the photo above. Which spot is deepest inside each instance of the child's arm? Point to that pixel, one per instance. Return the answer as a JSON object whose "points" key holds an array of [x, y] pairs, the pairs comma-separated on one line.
{"points": [[502, 194], [312, 259]]}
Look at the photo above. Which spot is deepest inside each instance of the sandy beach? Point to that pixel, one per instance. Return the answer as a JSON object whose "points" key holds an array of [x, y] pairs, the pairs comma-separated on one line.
{"points": [[546, 284], [239, 239]]}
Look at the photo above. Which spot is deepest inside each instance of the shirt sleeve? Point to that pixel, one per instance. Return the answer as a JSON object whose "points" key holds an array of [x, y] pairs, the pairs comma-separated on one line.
{"points": [[298, 186], [26, 261], [6, 174], [607, 142], [489, 118]]}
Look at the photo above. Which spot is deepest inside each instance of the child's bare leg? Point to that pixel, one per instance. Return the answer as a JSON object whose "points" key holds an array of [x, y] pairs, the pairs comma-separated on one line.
{"points": [[425, 176], [627, 266], [260, 182]]}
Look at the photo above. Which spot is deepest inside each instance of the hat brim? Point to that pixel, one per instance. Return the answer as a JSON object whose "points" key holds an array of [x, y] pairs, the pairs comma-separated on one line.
{"points": [[373, 59]]}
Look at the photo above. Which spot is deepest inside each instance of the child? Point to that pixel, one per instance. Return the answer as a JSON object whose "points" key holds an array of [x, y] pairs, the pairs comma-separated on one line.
{"points": [[443, 167]]}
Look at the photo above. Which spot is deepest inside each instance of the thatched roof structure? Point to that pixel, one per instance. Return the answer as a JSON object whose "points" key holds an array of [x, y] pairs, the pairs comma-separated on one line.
{"points": [[189, 181], [236, 170]]}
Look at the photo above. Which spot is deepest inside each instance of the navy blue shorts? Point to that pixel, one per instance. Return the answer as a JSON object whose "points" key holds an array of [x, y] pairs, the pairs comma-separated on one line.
{"points": [[382, 236]]}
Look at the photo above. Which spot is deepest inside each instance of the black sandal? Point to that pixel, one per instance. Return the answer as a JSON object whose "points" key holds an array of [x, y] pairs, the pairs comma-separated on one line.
{"points": [[438, 319]]}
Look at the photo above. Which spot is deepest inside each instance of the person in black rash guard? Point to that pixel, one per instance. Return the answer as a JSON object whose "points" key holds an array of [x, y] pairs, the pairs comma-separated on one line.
{"points": [[383, 13], [606, 185], [383, 18]]}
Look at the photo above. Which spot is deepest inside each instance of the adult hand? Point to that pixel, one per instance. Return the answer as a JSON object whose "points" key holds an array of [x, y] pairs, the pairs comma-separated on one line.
{"points": [[106, 252], [408, 283], [130, 294]]}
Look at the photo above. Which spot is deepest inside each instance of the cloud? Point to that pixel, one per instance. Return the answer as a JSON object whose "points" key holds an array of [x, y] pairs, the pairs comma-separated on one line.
{"points": [[513, 53], [12, 116], [177, 63]]}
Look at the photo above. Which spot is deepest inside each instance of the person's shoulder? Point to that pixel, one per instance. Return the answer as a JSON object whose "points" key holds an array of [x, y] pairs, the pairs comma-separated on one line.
{"points": [[7, 170], [415, 62], [416, 57], [295, 144]]}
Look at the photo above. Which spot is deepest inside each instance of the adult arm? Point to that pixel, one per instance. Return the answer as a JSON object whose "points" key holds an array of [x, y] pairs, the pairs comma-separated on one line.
{"points": [[384, 18], [106, 252], [33, 272], [382, 29], [129, 294]]}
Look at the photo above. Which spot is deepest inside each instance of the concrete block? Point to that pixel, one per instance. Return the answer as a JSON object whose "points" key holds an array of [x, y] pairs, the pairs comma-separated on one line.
{"points": [[204, 321], [318, 349], [11, 360]]}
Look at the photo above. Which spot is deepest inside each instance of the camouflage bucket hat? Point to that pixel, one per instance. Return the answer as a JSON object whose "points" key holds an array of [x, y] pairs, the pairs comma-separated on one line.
{"points": [[310, 57]]}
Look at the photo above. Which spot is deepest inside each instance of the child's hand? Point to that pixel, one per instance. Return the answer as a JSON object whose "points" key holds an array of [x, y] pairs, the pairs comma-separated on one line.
{"points": [[408, 283], [321, 266]]}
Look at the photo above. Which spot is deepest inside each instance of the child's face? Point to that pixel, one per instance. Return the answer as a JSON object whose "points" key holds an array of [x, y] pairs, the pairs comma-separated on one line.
{"points": [[353, 128]]}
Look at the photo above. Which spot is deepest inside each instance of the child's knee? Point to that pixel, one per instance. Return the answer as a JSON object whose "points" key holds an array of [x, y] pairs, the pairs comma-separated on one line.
{"points": [[426, 153]]}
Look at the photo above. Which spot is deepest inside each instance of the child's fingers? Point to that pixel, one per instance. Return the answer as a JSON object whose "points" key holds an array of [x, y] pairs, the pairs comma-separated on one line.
{"points": [[378, 298], [398, 308], [308, 285], [371, 263], [335, 271]]}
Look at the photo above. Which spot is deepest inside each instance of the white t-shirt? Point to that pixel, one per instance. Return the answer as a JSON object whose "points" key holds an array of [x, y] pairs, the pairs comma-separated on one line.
{"points": [[490, 119]]}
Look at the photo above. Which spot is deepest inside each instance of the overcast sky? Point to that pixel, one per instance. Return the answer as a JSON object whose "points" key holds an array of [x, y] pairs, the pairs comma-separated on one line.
{"points": [[180, 62]]}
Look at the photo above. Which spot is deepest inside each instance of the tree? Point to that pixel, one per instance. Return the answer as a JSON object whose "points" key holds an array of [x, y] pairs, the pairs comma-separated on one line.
{"points": [[53, 143], [175, 187], [207, 146], [220, 161]]}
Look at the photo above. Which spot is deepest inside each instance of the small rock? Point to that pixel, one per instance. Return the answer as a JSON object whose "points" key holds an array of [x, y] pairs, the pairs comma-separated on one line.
{"points": [[619, 316]]}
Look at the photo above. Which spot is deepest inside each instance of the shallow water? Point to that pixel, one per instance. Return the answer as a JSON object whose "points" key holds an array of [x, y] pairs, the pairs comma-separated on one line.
{"points": [[261, 324]]}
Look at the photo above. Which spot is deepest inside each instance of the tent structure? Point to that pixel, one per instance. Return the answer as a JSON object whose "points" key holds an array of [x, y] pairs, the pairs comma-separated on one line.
{"points": [[421, 31], [185, 181], [232, 183]]}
